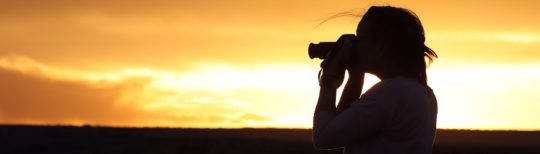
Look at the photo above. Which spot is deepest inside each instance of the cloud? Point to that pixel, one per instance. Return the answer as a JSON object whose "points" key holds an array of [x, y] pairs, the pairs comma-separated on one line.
{"points": [[170, 34], [175, 35], [253, 117], [35, 93], [34, 99]]}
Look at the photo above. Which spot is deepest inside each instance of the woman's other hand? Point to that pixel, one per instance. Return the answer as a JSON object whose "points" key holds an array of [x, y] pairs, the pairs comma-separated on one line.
{"points": [[336, 62]]}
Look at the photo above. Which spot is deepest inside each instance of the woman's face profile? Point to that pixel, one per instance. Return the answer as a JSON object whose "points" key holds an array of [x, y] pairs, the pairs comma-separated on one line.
{"points": [[370, 51]]}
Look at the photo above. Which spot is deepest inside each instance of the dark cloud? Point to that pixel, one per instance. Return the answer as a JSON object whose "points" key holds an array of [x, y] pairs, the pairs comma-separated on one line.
{"points": [[27, 98], [32, 98]]}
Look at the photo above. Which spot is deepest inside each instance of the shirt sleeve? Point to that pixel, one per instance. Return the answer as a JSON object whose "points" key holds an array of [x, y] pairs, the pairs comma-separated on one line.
{"points": [[365, 117]]}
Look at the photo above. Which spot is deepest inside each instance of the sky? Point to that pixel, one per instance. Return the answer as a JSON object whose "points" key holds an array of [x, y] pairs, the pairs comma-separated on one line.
{"points": [[244, 63]]}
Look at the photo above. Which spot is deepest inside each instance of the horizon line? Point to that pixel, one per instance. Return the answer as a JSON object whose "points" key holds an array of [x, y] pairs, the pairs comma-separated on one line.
{"points": [[234, 128]]}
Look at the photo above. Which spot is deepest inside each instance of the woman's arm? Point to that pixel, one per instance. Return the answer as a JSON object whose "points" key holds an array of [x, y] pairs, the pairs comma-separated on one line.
{"points": [[325, 110], [324, 113], [352, 90]]}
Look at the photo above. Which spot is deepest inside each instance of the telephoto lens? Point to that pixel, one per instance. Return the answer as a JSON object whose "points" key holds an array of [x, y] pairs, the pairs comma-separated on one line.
{"points": [[320, 50]]}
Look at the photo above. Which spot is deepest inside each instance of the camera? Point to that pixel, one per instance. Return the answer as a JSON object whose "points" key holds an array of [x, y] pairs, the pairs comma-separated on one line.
{"points": [[322, 50]]}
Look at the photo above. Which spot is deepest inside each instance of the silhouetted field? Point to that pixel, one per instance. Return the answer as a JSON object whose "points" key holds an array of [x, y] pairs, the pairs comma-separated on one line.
{"points": [[68, 139]]}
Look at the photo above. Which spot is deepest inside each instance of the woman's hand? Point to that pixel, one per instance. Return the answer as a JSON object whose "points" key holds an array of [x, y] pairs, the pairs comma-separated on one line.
{"points": [[336, 62], [332, 75]]}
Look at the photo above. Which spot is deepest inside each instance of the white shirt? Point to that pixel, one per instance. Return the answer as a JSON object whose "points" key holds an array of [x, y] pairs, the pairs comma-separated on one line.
{"points": [[396, 115]]}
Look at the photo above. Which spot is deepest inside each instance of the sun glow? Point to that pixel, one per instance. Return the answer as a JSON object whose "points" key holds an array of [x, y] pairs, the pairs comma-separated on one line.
{"points": [[512, 37], [225, 95]]}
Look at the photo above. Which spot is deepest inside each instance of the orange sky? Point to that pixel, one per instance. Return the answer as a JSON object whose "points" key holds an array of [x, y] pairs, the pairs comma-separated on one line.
{"points": [[244, 63]]}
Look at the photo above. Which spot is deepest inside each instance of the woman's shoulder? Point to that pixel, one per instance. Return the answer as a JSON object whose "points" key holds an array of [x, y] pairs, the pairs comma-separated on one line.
{"points": [[401, 82], [396, 86]]}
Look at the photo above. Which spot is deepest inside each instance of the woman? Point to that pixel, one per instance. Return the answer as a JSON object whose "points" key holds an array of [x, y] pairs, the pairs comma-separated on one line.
{"points": [[396, 115]]}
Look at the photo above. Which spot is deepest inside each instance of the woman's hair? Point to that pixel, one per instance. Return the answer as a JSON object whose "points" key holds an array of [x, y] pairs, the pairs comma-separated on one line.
{"points": [[402, 33]]}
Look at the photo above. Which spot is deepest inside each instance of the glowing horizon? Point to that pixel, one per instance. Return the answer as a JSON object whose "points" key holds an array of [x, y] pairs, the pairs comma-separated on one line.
{"points": [[231, 65]]}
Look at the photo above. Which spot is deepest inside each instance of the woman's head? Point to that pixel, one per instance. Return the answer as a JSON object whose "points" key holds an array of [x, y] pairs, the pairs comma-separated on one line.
{"points": [[391, 41]]}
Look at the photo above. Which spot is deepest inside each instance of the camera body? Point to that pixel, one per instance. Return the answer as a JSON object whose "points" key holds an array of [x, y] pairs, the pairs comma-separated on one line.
{"points": [[323, 50]]}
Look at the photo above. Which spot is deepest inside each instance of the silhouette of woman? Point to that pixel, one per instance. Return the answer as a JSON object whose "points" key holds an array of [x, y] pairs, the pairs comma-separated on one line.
{"points": [[396, 115]]}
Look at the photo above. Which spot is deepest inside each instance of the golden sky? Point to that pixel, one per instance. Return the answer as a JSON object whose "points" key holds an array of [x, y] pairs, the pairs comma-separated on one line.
{"points": [[243, 63]]}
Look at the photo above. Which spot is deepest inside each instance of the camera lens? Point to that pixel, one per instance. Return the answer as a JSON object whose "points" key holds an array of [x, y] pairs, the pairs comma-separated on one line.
{"points": [[320, 50]]}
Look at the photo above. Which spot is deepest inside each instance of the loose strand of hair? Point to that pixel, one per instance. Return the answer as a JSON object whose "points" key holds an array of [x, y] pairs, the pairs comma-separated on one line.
{"points": [[350, 13]]}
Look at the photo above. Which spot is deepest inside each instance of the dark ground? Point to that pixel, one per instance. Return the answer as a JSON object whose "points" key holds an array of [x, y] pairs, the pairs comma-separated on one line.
{"points": [[90, 140]]}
